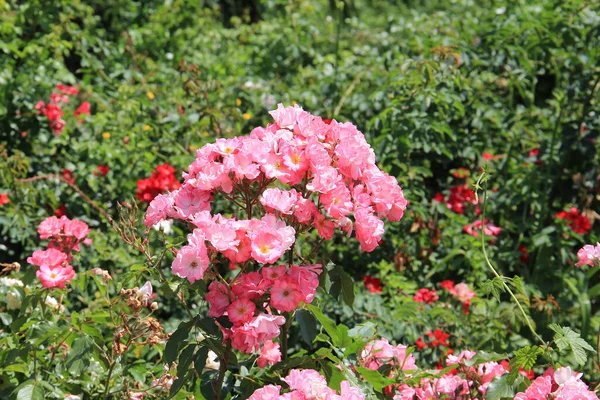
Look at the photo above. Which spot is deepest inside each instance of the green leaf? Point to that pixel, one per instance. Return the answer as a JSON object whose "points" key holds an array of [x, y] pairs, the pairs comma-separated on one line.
{"points": [[6, 318], [484, 357], [175, 341], [566, 338], [347, 286], [185, 359], [493, 287], [500, 388], [79, 357], [526, 357], [29, 390], [200, 359], [327, 323], [308, 325], [594, 291], [377, 380]]}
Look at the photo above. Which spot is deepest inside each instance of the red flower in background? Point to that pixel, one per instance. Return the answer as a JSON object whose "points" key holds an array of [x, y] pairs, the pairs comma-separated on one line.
{"points": [[54, 112], [578, 222], [460, 197], [68, 175], [373, 284], [447, 284], [69, 90], [426, 296], [534, 152], [420, 343], [524, 257], [4, 199], [102, 170], [439, 197], [161, 180], [529, 374], [440, 338], [83, 109], [61, 211], [461, 173]]}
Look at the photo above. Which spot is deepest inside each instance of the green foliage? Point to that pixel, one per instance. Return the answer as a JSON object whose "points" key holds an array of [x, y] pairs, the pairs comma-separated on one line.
{"points": [[567, 339], [433, 85]]}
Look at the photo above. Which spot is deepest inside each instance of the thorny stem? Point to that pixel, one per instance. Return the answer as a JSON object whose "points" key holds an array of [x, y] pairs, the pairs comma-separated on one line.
{"points": [[491, 267]]}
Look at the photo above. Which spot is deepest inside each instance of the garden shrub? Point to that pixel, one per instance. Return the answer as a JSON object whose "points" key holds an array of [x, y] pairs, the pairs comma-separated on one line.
{"points": [[485, 113]]}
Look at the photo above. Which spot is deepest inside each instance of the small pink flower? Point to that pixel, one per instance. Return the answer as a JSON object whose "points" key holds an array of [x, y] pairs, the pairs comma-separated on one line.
{"points": [[269, 353], [223, 237], [540, 388], [249, 285], [462, 292], [369, 229], [489, 229], [589, 255], [269, 392], [273, 273], [49, 227], [50, 258], [267, 247], [306, 279], [285, 295], [325, 228], [55, 277], [217, 298], [279, 200], [191, 262], [158, 209], [241, 311]]}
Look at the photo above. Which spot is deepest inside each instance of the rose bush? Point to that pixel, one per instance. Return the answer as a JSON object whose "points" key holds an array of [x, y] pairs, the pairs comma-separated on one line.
{"points": [[163, 235]]}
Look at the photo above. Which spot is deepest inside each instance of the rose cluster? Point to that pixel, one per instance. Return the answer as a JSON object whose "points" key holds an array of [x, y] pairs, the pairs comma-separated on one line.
{"points": [[462, 381], [307, 384], [64, 236], [161, 180], [298, 174], [250, 300], [53, 110], [560, 384], [331, 171]]}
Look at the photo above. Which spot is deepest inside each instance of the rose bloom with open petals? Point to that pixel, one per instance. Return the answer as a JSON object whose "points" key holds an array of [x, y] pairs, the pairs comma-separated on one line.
{"points": [[191, 262], [285, 295], [55, 277], [241, 311], [51, 258]]}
